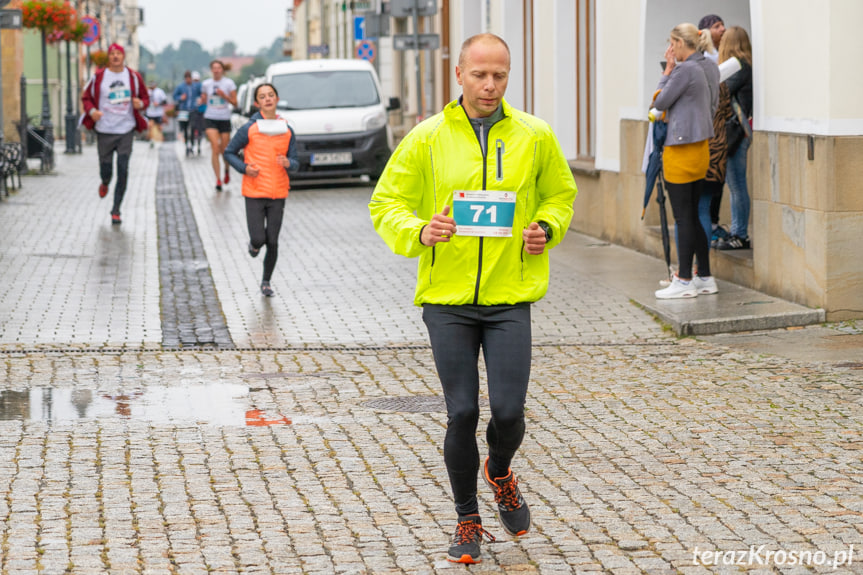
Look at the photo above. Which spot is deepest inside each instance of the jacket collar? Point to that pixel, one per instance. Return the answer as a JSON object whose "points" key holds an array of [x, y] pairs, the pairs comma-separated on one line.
{"points": [[454, 110]]}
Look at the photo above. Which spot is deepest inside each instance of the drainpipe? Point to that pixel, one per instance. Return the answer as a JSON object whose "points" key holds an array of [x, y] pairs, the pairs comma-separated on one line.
{"points": [[445, 51]]}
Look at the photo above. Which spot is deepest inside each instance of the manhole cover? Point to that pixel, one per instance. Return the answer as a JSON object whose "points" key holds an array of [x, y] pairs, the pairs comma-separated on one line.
{"points": [[412, 403]]}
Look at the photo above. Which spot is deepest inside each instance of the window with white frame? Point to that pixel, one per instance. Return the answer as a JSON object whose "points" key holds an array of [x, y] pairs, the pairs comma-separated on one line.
{"points": [[585, 26]]}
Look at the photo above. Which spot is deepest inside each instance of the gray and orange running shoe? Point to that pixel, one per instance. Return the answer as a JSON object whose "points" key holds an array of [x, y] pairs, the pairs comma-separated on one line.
{"points": [[513, 511], [467, 539]]}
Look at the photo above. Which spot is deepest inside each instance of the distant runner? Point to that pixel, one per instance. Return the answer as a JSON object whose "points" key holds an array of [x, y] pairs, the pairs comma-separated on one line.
{"points": [[220, 95], [156, 111], [113, 100], [186, 97]]}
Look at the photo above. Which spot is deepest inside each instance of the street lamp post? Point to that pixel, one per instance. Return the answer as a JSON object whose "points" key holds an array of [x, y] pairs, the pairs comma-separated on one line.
{"points": [[77, 85], [71, 119], [47, 125], [2, 121]]}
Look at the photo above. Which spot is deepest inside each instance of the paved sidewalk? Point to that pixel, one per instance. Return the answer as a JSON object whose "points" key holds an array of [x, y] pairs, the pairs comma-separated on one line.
{"points": [[68, 275], [315, 445]]}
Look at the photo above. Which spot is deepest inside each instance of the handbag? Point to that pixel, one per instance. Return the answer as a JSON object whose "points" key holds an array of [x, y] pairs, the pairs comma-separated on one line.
{"points": [[737, 127]]}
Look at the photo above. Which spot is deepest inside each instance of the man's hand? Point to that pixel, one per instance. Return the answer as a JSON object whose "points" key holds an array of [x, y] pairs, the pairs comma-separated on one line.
{"points": [[137, 103], [96, 114], [440, 229], [534, 239], [283, 161], [252, 170]]}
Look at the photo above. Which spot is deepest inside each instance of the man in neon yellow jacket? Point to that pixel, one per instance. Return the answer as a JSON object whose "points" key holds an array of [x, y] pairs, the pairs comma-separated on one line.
{"points": [[479, 192]]}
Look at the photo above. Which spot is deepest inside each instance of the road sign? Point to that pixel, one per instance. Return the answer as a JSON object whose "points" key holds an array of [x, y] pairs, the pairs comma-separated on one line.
{"points": [[323, 49], [359, 28], [365, 50], [376, 25], [10, 19], [94, 30], [405, 8], [408, 42]]}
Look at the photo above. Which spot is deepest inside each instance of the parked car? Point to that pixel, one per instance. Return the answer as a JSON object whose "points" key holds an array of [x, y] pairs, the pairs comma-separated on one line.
{"points": [[245, 105], [339, 118]]}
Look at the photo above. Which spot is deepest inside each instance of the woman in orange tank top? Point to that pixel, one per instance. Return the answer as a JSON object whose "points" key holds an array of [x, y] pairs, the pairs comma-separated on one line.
{"points": [[269, 154]]}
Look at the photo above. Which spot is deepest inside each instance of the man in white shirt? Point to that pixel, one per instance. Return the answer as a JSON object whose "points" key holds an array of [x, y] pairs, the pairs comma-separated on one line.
{"points": [[156, 111], [219, 93], [113, 100]]}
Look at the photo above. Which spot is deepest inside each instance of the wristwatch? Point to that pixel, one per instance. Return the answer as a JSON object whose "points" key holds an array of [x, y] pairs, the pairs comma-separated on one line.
{"points": [[547, 229]]}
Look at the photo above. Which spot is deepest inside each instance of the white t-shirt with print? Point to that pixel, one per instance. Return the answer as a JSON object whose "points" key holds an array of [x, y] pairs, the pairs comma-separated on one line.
{"points": [[157, 96], [115, 103], [218, 108]]}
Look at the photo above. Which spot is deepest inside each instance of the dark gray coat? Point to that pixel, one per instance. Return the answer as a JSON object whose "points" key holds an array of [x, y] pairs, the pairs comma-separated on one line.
{"points": [[686, 96]]}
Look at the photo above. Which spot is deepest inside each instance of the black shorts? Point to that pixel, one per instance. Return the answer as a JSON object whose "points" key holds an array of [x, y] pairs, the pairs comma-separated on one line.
{"points": [[157, 119], [223, 126]]}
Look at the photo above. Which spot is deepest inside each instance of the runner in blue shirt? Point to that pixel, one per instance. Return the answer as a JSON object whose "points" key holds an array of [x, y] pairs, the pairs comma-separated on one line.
{"points": [[185, 97]]}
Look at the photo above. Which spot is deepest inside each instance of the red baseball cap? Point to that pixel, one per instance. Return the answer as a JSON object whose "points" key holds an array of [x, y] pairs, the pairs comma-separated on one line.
{"points": [[116, 46]]}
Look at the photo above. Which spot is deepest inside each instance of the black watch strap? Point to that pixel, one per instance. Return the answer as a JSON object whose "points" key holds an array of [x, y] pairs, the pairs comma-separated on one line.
{"points": [[547, 229]]}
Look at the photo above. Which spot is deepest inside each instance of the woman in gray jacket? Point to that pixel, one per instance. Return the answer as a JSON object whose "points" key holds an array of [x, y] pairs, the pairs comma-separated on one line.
{"points": [[688, 92]]}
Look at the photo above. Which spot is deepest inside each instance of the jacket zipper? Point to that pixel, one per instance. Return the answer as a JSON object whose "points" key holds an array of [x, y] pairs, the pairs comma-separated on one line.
{"points": [[526, 203], [484, 168], [434, 253]]}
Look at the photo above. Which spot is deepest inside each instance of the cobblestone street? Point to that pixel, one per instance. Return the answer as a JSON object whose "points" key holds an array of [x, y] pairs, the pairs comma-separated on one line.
{"points": [[157, 415]]}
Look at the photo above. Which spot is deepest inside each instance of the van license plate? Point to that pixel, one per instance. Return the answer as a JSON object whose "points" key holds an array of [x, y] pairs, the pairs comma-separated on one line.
{"points": [[331, 158]]}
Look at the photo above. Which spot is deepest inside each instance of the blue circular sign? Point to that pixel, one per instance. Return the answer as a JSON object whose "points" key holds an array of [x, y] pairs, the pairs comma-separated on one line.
{"points": [[93, 30], [365, 50]]}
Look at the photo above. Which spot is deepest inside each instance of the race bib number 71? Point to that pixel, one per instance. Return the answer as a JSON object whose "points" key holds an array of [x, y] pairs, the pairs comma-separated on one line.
{"points": [[484, 213]]}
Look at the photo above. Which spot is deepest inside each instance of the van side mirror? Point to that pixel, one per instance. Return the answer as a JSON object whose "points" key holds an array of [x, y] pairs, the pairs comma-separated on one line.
{"points": [[394, 104]]}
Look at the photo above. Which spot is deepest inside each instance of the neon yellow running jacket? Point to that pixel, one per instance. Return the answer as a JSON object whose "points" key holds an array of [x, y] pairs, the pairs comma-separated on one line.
{"points": [[442, 155]]}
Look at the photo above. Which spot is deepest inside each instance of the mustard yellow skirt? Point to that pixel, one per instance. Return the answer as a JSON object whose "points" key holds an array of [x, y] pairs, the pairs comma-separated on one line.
{"points": [[686, 163]]}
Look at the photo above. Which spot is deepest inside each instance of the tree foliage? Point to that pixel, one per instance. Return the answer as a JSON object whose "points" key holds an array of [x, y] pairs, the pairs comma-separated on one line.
{"points": [[167, 67]]}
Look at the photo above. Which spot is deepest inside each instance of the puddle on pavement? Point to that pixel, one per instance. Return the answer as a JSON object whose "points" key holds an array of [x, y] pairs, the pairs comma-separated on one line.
{"points": [[216, 404]]}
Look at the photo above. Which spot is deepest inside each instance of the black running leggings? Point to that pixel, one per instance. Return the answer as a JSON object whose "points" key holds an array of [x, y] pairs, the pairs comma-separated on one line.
{"points": [[691, 239], [184, 127], [456, 334], [264, 218], [105, 172]]}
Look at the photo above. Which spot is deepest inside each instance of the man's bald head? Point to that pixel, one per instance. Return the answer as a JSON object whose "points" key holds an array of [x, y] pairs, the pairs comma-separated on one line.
{"points": [[484, 38]]}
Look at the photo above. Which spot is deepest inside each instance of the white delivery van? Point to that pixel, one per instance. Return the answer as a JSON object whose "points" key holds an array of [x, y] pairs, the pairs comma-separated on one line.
{"points": [[339, 118]]}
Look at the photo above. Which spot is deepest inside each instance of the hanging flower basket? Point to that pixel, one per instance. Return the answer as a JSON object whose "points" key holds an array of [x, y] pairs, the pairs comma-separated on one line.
{"points": [[99, 58], [76, 32], [48, 16]]}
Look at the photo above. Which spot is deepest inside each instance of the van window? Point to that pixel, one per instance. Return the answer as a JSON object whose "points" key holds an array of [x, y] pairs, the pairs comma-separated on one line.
{"points": [[327, 89]]}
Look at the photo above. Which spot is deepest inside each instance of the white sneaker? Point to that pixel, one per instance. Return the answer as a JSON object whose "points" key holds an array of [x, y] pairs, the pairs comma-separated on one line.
{"points": [[678, 289], [705, 285]]}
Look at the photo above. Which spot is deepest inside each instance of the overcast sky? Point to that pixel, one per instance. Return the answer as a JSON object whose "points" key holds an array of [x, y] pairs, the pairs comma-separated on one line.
{"points": [[251, 24]]}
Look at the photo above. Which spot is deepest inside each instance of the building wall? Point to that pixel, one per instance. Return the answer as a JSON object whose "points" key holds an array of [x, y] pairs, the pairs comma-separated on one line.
{"points": [[11, 45], [810, 86], [805, 164], [618, 23]]}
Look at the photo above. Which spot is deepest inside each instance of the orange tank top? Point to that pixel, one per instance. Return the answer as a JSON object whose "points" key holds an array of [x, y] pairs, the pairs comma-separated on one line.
{"points": [[272, 180]]}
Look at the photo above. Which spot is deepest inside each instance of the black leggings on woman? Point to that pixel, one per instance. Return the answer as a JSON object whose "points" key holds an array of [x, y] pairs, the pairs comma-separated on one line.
{"points": [[691, 239], [264, 218]]}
